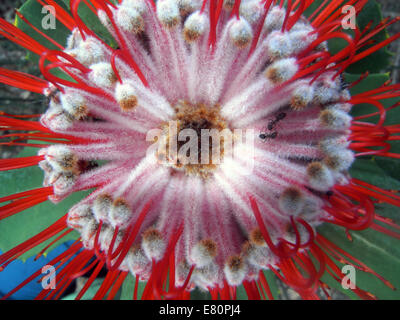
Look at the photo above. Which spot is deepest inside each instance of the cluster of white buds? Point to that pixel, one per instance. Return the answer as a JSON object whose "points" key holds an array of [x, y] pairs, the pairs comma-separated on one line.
{"points": [[115, 212], [88, 51], [55, 116], [61, 169], [289, 43]]}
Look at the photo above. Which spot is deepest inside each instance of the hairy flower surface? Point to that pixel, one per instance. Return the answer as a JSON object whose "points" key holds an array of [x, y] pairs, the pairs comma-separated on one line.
{"points": [[256, 73]]}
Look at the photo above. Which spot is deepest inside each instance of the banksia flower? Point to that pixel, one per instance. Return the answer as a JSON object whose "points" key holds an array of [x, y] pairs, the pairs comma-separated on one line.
{"points": [[256, 74]]}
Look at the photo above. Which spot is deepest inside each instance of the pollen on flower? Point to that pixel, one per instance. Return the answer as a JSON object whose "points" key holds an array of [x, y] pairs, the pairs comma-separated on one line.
{"points": [[194, 157], [257, 238], [126, 97], [228, 4]]}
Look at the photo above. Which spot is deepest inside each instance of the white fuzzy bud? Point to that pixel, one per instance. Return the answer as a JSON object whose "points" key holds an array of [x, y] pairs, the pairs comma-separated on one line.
{"points": [[302, 96], [79, 216], [346, 107], [279, 44], [102, 207], [260, 257], [235, 270], [195, 26], [102, 75], [60, 158], [136, 260], [153, 244], [301, 39], [319, 176], [126, 96], [275, 18], [335, 119], [188, 6], [130, 20], [207, 276], [241, 33], [334, 145], [291, 201], [251, 11], [203, 253], [88, 234], [62, 183], [120, 213], [311, 210], [74, 39], [74, 103], [138, 5], [290, 234], [90, 51], [341, 161], [168, 13], [105, 237], [282, 70], [56, 118], [327, 91]]}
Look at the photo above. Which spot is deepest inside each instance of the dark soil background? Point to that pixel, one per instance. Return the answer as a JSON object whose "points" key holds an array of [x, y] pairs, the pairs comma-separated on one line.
{"points": [[17, 101]]}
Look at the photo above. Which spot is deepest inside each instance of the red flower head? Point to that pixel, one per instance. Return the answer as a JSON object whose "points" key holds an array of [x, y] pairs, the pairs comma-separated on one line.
{"points": [[258, 76]]}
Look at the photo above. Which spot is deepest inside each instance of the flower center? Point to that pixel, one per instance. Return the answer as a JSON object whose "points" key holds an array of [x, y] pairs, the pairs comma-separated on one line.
{"points": [[194, 141]]}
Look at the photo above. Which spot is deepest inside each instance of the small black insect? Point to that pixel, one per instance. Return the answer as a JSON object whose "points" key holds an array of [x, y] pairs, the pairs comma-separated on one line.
{"points": [[271, 126], [343, 84], [264, 136], [281, 116], [272, 123], [329, 193]]}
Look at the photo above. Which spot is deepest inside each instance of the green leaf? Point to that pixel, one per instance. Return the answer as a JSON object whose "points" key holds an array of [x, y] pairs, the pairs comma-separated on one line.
{"points": [[391, 167], [26, 224], [375, 62], [371, 82], [380, 59], [128, 288], [379, 252], [32, 11], [92, 22], [370, 172], [89, 294]]}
